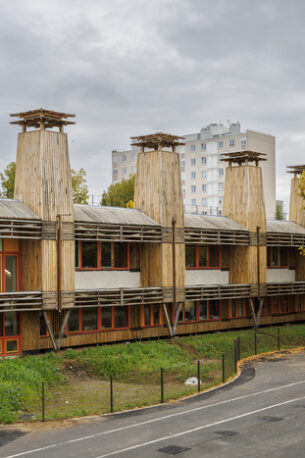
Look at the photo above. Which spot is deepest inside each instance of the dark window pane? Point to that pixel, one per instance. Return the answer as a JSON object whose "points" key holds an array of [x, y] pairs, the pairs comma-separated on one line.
{"points": [[73, 323], [180, 318], [284, 304], [213, 256], [203, 256], [203, 310], [43, 326], [275, 257], [89, 255], [147, 315], [233, 302], [299, 305], [76, 253], [106, 254], [107, 317], [156, 313], [190, 255], [240, 308], [11, 324], [10, 273], [275, 305], [214, 310], [120, 255], [89, 319], [11, 345], [268, 256], [283, 257], [190, 311], [121, 317], [267, 306]]}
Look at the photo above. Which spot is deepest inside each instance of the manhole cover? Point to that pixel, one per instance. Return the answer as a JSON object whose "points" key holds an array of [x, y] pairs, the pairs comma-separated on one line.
{"points": [[272, 418], [226, 433], [173, 449]]}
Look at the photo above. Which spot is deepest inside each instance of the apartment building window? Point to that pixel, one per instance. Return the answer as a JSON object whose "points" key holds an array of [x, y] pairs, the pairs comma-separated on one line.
{"points": [[133, 156], [277, 257], [193, 188], [204, 201], [232, 142], [115, 172], [275, 305], [193, 161], [220, 144], [238, 308], [102, 255], [193, 311], [298, 303], [202, 256], [193, 175], [124, 157], [243, 142], [221, 172], [133, 169], [182, 164], [151, 315], [203, 173], [203, 146], [220, 186], [203, 160], [115, 159], [193, 202], [204, 188], [193, 148], [220, 200], [124, 171]]}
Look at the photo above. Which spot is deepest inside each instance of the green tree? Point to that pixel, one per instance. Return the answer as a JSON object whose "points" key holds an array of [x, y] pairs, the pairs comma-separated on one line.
{"points": [[120, 194], [79, 187], [79, 184], [8, 180], [279, 212]]}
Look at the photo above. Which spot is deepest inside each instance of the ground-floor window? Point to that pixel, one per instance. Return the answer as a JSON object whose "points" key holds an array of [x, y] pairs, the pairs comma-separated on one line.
{"points": [[151, 315], [238, 308], [194, 311], [299, 303], [96, 319], [9, 333], [274, 305]]}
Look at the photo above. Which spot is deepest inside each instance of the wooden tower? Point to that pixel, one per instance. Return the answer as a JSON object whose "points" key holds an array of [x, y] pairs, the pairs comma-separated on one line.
{"points": [[158, 194], [244, 202], [43, 183]]}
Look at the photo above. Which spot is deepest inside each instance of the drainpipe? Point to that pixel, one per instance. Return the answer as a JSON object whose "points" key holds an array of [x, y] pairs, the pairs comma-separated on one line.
{"points": [[258, 262]]}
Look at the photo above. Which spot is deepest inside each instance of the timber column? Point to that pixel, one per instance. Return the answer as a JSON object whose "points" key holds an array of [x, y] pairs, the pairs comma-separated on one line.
{"points": [[244, 202], [297, 215], [43, 183], [158, 194]]}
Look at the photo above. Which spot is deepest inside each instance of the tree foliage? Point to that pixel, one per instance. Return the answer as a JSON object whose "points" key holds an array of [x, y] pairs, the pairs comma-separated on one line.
{"points": [[79, 184], [79, 187], [120, 194], [8, 180], [279, 212]]}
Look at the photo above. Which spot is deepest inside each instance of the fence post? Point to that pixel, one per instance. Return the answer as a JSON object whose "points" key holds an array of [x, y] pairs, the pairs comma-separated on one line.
{"points": [[111, 394], [198, 375], [223, 368], [162, 387], [42, 401], [235, 355], [278, 339], [255, 342], [238, 346]]}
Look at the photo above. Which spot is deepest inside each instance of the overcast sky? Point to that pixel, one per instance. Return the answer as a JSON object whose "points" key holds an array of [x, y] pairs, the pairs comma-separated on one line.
{"points": [[128, 67]]}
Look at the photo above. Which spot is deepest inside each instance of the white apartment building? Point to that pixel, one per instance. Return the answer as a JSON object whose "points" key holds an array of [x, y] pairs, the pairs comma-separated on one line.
{"points": [[203, 171]]}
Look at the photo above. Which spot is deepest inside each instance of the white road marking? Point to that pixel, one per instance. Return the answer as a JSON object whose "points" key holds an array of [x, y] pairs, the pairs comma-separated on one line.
{"points": [[153, 420], [199, 428]]}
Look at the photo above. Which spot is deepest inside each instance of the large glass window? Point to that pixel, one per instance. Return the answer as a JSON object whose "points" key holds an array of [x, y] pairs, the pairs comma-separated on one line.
{"points": [[89, 255], [74, 324], [120, 317], [107, 317], [89, 319], [106, 254], [277, 257], [190, 311], [190, 255], [120, 255], [11, 324], [202, 256], [10, 273]]}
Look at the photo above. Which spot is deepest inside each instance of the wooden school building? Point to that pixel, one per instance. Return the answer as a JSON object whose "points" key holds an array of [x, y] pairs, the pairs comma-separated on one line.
{"points": [[77, 274]]}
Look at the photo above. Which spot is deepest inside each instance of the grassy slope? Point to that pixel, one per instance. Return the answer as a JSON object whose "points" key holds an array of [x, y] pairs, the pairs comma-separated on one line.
{"points": [[77, 380]]}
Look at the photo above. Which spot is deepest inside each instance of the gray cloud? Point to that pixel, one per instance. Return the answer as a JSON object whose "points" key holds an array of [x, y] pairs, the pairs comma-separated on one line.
{"points": [[127, 68]]}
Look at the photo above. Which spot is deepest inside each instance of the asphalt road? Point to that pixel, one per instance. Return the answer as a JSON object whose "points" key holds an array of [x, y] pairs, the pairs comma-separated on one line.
{"points": [[261, 414]]}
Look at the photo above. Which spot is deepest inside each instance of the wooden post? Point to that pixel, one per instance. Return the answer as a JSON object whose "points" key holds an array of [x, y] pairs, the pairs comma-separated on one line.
{"points": [[198, 376], [43, 402], [162, 386], [223, 368], [111, 394]]}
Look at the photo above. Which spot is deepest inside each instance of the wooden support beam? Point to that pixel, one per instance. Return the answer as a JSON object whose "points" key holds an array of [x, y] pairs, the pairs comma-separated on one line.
{"points": [[169, 326], [260, 307], [177, 313], [253, 312], [62, 328], [50, 330]]}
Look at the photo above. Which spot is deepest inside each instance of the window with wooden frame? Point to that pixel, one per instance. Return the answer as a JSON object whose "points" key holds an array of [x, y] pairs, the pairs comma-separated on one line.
{"points": [[101, 255], [274, 305], [277, 257], [202, 256], [298, 303], [195, 311], [151, 315], [97, 319], [10, 333], [238, 308], [42, 324]]}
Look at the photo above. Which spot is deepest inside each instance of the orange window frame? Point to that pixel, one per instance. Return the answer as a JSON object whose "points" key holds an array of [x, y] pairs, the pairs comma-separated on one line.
{"points": [[151, 316], [244, 313], [269, 258], [98, 257], [207, 267], [99, 321], [198, 320]]}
